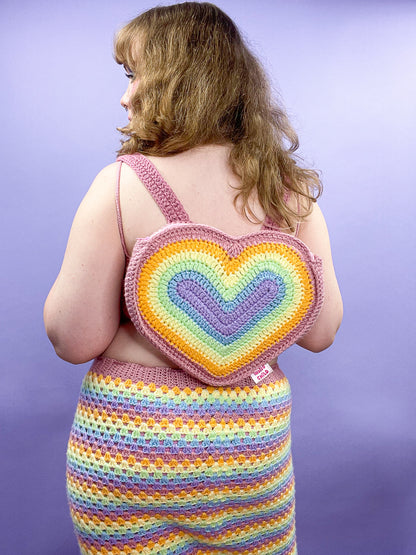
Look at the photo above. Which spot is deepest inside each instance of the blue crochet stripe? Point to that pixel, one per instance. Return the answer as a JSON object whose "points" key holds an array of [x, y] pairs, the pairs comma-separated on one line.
{"points": [[168, 405]]}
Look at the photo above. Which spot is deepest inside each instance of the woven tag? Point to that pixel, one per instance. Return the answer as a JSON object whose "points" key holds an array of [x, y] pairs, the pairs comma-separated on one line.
{"points": [[262, 373]]}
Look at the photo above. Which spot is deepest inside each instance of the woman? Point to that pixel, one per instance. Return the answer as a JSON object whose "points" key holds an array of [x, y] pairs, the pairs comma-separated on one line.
{"points": [[172, 451]]}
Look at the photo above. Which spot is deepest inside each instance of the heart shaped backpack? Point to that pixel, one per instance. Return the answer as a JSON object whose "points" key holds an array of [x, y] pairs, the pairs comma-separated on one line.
{"points": [[219, 306]]}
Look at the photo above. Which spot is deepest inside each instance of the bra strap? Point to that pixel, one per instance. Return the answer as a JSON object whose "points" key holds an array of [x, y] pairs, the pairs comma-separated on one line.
{"points": [[271, 224], [118, 210], [162, 194], [298, 222]]}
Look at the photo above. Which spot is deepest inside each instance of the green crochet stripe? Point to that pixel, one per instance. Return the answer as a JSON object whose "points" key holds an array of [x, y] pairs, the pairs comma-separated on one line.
{"points": [[229, 285]]}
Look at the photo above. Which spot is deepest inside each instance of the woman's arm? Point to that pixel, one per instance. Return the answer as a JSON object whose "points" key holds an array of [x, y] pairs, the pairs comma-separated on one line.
{"points": [[82, 311], [314, 233]]}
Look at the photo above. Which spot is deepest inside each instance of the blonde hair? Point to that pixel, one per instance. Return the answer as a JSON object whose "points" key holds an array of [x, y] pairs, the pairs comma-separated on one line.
{"points": [[198, 83]]}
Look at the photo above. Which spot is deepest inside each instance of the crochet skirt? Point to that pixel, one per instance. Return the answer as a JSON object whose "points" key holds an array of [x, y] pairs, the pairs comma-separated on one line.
{"points": [[159, 463]]}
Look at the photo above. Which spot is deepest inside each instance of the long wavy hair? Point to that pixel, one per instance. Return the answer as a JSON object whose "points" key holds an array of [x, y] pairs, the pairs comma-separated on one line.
{"points": [[198, 83]]}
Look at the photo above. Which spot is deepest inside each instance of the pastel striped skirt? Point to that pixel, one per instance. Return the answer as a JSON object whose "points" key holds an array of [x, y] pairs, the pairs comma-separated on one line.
{"points": [[159, 463]]}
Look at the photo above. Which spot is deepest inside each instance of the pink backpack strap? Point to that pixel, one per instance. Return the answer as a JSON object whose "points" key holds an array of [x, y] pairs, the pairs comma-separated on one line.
{"points": [[162, 194]]}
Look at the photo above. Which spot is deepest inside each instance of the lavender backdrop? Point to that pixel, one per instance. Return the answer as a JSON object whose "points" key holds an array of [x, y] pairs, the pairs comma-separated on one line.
{"points": [[347, 74]]}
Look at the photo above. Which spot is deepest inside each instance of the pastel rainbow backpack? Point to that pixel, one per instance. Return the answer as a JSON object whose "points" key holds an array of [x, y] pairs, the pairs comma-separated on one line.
{"points": [[219, 306]]}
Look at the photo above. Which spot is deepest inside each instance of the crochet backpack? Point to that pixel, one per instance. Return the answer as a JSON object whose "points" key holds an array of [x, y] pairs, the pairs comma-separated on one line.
{"points": [[219, 306]]}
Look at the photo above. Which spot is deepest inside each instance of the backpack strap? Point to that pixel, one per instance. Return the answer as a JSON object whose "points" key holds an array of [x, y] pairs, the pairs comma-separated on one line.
{"points": [[162, 194]]}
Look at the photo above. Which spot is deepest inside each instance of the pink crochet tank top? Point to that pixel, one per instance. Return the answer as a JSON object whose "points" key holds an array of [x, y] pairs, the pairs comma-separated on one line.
{"points": [[219, 306]]}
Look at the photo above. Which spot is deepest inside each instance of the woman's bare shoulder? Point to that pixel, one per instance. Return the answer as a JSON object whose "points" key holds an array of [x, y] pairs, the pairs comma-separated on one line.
{"points": [[313, 230], [82, 311], [314, 233]]}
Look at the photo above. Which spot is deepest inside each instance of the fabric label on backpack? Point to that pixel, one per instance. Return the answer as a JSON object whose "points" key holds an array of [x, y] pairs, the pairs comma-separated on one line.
{"points": [[262, 373]]}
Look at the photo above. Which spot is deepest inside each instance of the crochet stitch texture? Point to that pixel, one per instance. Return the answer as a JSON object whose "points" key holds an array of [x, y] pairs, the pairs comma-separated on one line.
{"points": [[218, 306], [185, 469]]}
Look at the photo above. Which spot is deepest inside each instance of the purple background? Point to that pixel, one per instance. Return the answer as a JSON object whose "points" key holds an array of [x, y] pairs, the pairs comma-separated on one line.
{"points": [[347, 73]]}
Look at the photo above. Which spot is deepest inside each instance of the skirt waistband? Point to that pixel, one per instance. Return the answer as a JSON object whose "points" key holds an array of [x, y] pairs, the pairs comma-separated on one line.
{"points": [[162, 375]]}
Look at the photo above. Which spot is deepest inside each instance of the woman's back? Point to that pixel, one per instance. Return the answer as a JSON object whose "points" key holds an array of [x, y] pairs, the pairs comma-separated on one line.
{"points": [[82, 311], [205, 184]]}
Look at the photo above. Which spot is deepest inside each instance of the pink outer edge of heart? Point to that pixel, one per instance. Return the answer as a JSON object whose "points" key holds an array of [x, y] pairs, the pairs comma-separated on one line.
{"points": [[146, 247]]}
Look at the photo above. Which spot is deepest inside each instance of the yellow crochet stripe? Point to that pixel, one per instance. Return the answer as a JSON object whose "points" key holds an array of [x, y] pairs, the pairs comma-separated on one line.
{"points": [[263, 391], [114, 496], [230, 266]]}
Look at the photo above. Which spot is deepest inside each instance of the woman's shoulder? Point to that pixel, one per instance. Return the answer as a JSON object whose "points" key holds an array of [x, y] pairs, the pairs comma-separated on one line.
{"points": [[107, 174], [115, 176], [313, 230]]}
